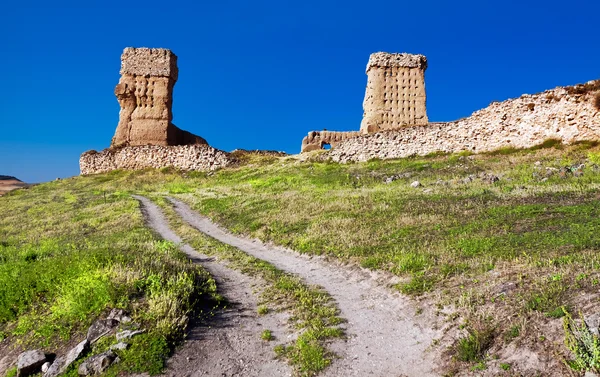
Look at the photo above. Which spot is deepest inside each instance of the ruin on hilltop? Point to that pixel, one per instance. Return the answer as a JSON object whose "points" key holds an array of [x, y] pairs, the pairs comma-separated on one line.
{"points": [[395, 97], [395, 122], [145, 94], [145, 136]]}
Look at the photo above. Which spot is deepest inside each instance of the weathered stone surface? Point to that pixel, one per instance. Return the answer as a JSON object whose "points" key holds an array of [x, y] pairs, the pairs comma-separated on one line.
{"points": [[128, 334], [119, 346], [100, 328], [96, 364], [119, 315], [46, 366], [145, 94], [61, 363], [316, 140], [30, 362], [395, 95], [184, 157], [518, 123]]}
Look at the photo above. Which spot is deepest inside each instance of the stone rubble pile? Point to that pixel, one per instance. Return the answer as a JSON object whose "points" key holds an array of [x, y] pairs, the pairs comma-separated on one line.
{"points": [[35, 361], [183, 157], [523, 122]]}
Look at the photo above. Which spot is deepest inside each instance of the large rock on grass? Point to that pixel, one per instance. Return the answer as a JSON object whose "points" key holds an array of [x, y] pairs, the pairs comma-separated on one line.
{"points": [[60, 365], [30, 362]]}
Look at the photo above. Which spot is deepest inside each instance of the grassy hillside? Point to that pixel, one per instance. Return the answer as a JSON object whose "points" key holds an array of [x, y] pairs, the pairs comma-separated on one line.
{"points": [[498, 243], [69, 252]]}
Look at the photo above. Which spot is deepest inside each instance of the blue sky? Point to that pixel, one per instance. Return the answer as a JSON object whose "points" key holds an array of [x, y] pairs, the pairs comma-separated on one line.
{"points": [[261, 74]]}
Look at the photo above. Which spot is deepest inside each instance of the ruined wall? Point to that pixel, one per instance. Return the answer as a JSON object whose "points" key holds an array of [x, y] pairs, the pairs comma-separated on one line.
{"points": [[520, 123], [394, 98], [395, 95], [316, 140], [184, 157], [145, 94]]}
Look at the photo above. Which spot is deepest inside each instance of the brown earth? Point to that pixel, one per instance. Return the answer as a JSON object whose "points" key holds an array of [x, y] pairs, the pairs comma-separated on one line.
{"points": [[8, 183]]}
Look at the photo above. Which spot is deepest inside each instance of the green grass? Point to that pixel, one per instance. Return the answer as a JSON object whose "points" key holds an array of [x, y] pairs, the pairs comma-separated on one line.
{"points": [[70, 251], [267, 335], [456, 240]]}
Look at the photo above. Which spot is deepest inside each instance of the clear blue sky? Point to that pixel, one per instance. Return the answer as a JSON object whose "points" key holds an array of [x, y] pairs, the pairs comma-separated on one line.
{"points": [[261, 74]]}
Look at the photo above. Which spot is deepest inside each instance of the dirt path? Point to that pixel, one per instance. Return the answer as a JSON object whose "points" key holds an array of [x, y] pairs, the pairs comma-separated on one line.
{"points": [[384, 337], [230, 344]]}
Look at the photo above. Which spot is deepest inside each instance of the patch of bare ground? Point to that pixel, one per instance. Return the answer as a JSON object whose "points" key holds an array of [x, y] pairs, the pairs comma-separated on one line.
{"points": [[8, 184]]}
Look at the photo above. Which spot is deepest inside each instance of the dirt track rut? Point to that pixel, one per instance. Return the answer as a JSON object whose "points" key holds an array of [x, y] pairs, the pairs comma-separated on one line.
{"points": [[385, 338], [229, 344]]}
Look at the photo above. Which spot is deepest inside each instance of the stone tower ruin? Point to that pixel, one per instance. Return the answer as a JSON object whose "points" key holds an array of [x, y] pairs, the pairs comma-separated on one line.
{"points": [[145, 93], [395, 98], [395, 95]]}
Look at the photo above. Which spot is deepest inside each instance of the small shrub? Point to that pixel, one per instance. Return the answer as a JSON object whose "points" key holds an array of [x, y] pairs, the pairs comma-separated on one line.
{"points": [[584, 88], [505, 366], [12, 372], [583, 343]]}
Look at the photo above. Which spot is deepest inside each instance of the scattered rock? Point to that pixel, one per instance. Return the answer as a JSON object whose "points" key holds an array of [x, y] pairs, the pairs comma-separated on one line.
{"points": [[593, 323], [60, 365], [128, 334], [415, 184], [97, 364], [101, 328], [30, 362], [468, 179], [46, 366], [119, 315], [121, 346], [489, 178]]}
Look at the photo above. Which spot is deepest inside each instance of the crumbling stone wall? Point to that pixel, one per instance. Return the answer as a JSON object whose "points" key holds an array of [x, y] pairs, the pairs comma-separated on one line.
{"points": [[145, 93], [316, 140], [395, 95], [519, 123], [184, 157]]}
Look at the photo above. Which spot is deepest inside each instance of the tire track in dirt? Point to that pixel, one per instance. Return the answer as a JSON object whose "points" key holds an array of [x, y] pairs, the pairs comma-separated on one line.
{"points": [[230, 344], [384, 336]]}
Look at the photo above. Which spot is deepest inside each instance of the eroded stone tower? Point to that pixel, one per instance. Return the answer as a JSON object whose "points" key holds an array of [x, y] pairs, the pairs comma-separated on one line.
{"points": [[395, 95], [395, 98], [145, 93]]}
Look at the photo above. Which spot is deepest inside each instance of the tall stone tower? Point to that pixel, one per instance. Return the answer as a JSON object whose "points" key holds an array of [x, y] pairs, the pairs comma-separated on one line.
{"points": [[145, 93], [395, 95]]}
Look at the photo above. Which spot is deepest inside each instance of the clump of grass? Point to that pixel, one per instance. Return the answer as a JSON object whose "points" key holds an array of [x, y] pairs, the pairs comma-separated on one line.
{"points": [[473, 347], [262, 310], [512, 333], [267, 335]]}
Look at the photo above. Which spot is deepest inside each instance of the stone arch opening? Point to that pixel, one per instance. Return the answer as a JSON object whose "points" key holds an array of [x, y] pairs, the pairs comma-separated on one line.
{"points": [[325, 146]]}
